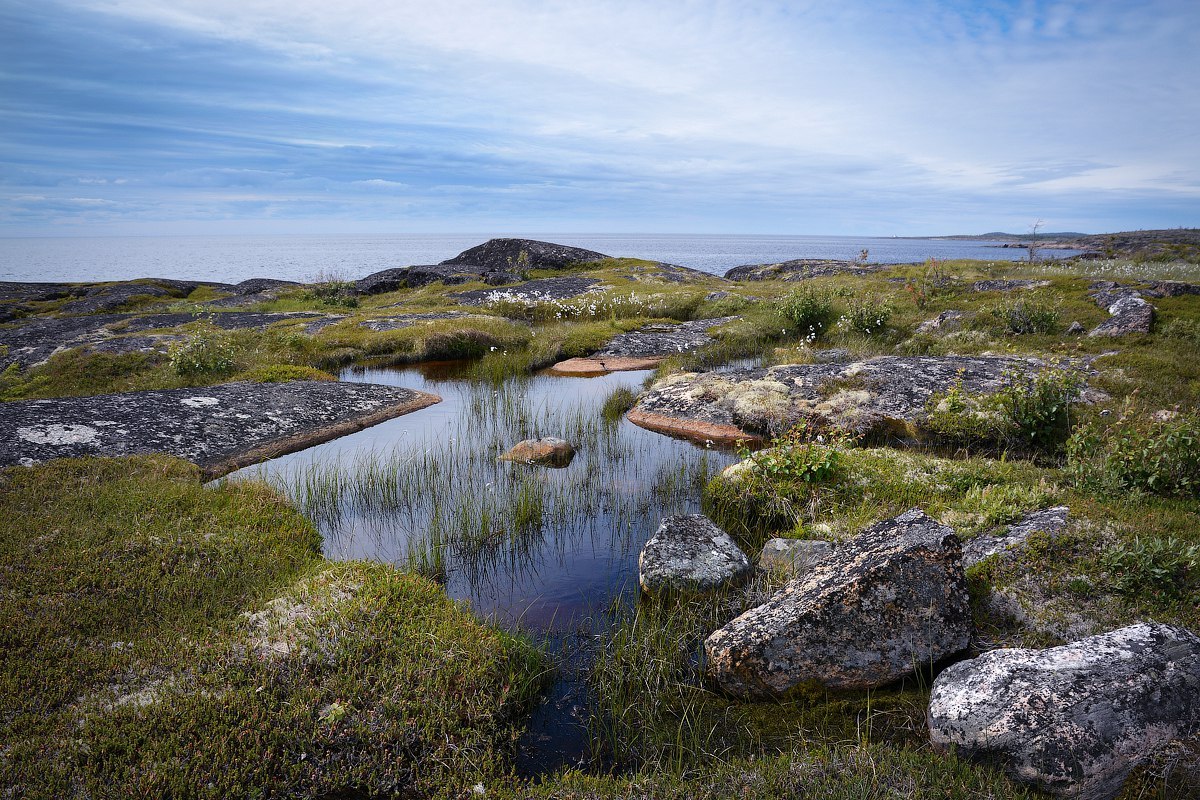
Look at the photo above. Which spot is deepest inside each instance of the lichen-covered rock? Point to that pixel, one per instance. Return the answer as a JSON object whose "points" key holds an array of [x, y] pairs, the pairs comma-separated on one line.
{"points": [[219, 428], [1006, 285], [689, 553], [1047, 520], [944, 322], [792, 556], [1127, 315], [549, 451], [100, 299], [891, 599], [1072, 720], [517, 255], [644, 348], [885, 396], [536, 291], [801, 269]]}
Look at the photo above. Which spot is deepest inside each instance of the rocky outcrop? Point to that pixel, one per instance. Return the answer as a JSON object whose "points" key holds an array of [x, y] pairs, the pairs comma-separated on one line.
{"points": [[536, 291], [1072, 720], [400, 321], [549, 451], [1047, 520], [801, 269], [883, 396], [219, 428], [792, 556], [1003, 285], [1127, 315], [889, 600], [644, 348], [945, 322], [518, 255], [689, 553]]}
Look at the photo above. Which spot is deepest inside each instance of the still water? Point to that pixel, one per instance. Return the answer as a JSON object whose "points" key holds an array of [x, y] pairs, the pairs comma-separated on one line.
{"points": [[546, 550], [230, 259]]}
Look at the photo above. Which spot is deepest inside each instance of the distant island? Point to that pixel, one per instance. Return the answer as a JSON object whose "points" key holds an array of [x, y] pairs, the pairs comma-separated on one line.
{"points": [[1169, 244]]}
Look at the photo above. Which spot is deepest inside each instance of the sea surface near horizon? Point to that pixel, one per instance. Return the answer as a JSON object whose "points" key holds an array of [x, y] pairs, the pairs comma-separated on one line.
{"points": [[229, 259]]}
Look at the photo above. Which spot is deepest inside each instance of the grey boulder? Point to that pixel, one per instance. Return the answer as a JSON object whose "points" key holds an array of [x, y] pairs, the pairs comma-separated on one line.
{"points": [[792, 556], [689, 553], [889, 600], [1072, 720], [1127, 315]]}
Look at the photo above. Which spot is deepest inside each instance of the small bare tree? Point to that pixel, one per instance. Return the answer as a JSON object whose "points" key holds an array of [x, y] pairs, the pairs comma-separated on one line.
{"points": [[1033, 240]]}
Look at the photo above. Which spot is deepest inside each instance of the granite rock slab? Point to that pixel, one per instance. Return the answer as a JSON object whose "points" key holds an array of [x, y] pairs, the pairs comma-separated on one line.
{"points": [[518, 255], [220, 428], [1073, 720], [891, 598], [881, 396], [535, 291], [644, 348], [1047, 520], [801, 269]]}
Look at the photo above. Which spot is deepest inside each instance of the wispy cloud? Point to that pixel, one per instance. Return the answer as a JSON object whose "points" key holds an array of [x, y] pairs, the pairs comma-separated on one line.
{"points": [[807, 117]]}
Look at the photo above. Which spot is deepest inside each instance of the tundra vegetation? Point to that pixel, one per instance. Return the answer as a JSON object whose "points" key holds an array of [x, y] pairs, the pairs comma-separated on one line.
{"points": [[166, 638]]}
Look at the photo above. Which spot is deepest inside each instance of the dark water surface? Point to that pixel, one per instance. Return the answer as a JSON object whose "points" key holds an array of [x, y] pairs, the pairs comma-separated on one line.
{"points": [[429, 482], [230, 259]]}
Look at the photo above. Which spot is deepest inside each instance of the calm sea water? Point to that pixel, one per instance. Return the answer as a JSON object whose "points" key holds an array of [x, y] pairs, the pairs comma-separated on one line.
{"points": [[230, 259]]}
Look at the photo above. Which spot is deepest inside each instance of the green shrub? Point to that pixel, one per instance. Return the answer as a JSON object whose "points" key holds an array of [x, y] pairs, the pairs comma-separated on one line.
{"points": [[810, 310], [1024, 315], [1163, 570], [866, 315], [959, 418], [1136, 454], [334, 293], [207, 350], [1039, 406]]}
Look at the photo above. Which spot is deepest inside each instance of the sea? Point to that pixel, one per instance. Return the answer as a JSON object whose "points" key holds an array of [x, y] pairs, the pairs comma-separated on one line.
{"points": [[307, 258]]}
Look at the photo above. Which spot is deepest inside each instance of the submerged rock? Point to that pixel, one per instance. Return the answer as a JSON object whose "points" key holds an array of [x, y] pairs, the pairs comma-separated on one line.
{"points": [[645, 348], [889, 600], [689, 553], [549, 451], [1072, 720], [881, 396], [219, 428]]}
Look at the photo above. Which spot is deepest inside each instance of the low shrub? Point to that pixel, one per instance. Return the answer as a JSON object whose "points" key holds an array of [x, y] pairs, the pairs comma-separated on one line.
{"points": [[207, 350], [809, 310], [1024, 315], [1040, 406], [337, 293], [866, 315], [1137, 454], [1159, 570]]}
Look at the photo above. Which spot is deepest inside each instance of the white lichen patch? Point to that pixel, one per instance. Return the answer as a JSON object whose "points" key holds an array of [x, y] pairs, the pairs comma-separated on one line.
{"points": [[199, 402], [281, 628], [59, 435]]}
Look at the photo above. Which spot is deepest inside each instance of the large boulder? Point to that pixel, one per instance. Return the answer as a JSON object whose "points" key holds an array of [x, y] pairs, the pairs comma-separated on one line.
{"points": [[518, 255], [792, 556], [890, 600], [1072, 720], [1127, 315], [689, 553]]}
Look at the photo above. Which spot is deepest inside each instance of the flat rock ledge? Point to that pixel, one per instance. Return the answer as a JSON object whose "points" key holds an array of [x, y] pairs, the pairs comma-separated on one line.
{"points": [[645, 348], [802, 269], [1072, 720], [881, 396], [891, 598], [220, 428], [690, 554]]}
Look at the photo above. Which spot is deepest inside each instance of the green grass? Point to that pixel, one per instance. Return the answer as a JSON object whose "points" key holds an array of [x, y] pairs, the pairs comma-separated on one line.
{"points": [[161, 638]]}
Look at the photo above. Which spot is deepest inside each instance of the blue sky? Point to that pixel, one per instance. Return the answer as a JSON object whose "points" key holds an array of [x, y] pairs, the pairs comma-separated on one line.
{"points": [[853, 117]]}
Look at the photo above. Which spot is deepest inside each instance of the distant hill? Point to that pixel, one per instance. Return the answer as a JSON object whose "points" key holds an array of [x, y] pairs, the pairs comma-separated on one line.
{"points": [[1169, 244]]}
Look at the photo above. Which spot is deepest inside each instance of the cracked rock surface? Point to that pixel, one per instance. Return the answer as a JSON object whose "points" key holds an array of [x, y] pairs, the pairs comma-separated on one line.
{"points": [[1047, 520], [892, 597], [220, 428], [1072, 720], [884, 395], [689, 553]]}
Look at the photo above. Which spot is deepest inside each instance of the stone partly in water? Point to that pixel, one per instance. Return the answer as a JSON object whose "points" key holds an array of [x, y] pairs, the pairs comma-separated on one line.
{"points": [[1072, 720], [689, 553], [549, 451], [792, 556], [885, 396], [219, 428], [890, 600], [645, 348]]}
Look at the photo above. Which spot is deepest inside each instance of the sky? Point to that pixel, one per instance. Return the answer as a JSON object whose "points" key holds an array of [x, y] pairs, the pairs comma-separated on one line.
{"points": [[842, 117]]}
